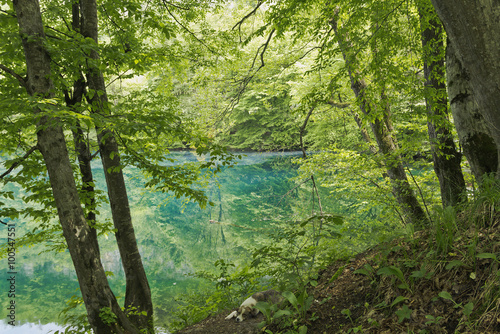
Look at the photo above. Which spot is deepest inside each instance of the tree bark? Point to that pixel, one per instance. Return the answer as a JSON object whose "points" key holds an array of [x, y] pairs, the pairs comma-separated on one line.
{"points": [[138, 293], [382, 131], [473, 27], [83, 248], [445, 156], [477, 143]]}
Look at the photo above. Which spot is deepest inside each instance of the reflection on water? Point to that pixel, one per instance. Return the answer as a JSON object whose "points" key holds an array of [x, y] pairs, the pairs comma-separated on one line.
{"points": [[28, 328], [175, 238]]}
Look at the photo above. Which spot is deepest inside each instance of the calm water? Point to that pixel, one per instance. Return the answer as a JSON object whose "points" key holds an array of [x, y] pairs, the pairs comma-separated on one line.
{"points": [[175, 238]]}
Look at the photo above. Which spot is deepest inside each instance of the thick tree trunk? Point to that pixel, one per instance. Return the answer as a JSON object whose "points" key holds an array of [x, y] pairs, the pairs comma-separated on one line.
{"points": [[83, 248], [473, 27], [382, 131], [445, 156], [138, 293], [473, 132]]}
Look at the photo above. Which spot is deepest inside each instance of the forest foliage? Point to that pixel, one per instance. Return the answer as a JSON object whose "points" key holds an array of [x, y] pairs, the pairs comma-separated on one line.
{"points": [[357, 86]]}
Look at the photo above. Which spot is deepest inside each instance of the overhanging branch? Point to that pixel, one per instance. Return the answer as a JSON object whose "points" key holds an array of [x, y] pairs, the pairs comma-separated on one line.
{"points": [[167, 4], [240, 22], [17, 163], [21, 80]]}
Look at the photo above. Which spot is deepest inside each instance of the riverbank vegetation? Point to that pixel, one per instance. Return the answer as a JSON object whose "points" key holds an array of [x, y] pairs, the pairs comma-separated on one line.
{"points": [[395, 119]]}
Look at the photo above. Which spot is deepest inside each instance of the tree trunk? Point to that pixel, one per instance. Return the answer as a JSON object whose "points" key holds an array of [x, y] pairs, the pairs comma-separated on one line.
{"points": [[138, 293], [83, 248], [473, 27], [83, 154], [382, 131], [445, 156], [473, 132]]}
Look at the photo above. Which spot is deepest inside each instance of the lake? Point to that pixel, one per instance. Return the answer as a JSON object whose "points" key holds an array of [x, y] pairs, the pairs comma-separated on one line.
{"points": [[175, 238]]}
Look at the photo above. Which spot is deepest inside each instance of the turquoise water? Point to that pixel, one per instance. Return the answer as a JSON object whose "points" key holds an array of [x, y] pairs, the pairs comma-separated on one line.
{"points": [[175, 237]]}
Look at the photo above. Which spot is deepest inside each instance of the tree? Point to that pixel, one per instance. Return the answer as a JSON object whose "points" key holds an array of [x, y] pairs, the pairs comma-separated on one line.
{"points": [[69, 52], [473, 131], [83, 246], [445, 156], [473, 29], [138, 294], [383, 131]]}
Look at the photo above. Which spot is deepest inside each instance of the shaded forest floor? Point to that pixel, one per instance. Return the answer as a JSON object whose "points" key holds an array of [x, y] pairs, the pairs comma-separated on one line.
{"points": [[432, 282]]}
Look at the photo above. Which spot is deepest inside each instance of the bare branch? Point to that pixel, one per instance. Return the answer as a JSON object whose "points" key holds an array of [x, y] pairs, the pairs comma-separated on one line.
{"points": [[17, 163]]}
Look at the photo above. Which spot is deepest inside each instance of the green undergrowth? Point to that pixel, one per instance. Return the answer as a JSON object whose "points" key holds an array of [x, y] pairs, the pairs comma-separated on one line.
{"points": [[442, 278]]}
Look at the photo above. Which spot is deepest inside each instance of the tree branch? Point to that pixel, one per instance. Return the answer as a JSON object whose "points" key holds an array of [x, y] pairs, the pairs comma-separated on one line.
{"points": [[21, 80], [246, 80], [19, 161], [186, 29], [12, 14], [302, 129], [240, 22]]}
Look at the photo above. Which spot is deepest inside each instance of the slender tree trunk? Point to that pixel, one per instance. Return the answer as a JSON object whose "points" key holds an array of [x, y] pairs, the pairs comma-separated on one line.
{"points": [[138, 293], [83, 248], [82, 148], [445, 156], [473, 132], [83, 154], [473, 27], [382, 131]]}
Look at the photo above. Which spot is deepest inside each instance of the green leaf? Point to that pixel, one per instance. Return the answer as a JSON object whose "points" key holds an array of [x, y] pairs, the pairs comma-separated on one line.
{"points": [[346, 312], [362, 272], [391, 270], [487, 256], [291, 298], [281, 313], [403, 313], [453, 264], [445, 295], [468, 309], [398, 300]]}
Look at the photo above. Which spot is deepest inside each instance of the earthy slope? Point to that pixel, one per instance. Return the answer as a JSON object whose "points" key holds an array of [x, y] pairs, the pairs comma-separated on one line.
{"points": [[432, 289]]}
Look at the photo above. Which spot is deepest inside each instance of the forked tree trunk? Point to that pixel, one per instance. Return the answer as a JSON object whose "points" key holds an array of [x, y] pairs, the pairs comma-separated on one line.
{"points": [[445, 156], [138, 293], [386, 142], [473, 132], [83, 248], [473, 27]]}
